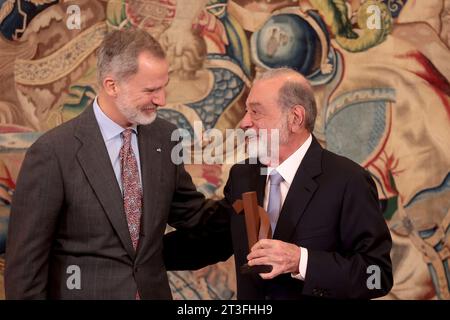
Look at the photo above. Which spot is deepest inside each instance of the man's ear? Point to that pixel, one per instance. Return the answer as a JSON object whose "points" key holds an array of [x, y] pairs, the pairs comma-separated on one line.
{"points": [[297, 118], [110, 86]]}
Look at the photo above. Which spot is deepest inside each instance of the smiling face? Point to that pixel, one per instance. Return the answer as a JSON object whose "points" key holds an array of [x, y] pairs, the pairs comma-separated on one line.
{"points": [[265, 115], [263, 110], [139, 96], [276, 115]]}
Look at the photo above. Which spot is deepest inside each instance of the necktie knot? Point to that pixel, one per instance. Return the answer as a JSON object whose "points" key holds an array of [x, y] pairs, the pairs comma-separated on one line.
{"points": [[126, 135], [275, 178]]}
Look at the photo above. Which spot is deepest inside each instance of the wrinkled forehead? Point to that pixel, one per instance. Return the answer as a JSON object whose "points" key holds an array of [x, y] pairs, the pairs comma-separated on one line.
{"points": [[152, 70], [149, 64], [263, 92]]}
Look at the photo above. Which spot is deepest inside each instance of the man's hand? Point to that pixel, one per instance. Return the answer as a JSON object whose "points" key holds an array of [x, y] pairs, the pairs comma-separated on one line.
{"points": [[282, 256]]}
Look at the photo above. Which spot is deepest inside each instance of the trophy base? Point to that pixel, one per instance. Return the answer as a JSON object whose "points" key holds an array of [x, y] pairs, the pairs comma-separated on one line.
{"points": [[246, 269]]}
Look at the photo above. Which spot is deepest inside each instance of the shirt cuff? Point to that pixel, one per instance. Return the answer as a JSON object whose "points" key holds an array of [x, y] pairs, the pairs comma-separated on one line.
{"points": [[301, 275]]}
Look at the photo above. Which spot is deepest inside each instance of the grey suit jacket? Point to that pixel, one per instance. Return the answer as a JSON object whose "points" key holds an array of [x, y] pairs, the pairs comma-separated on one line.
{"points": [[67, 210]]}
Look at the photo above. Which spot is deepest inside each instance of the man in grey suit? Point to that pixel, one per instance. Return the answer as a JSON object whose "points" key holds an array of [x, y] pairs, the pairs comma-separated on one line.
{"points": [[94, 195]]}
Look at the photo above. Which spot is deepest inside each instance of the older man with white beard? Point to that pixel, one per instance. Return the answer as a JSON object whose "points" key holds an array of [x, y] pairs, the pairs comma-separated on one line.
{"points": [[329, 238]]}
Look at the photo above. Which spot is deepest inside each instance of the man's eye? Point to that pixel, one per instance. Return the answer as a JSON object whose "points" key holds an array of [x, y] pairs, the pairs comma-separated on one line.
{"points": [[152, 90], [252, 112]]}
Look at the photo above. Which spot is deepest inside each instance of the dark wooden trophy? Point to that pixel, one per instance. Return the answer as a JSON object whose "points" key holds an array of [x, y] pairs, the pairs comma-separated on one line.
{"points": [[257, 224]]}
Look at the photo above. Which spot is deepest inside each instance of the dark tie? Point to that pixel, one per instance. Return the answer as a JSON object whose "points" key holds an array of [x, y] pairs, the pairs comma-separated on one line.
{"points": [[274, 205], [131, 187]]}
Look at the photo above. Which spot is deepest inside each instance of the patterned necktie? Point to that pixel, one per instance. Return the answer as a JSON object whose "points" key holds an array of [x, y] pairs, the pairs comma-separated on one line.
{"points": [[131, 186], [274, 205]]}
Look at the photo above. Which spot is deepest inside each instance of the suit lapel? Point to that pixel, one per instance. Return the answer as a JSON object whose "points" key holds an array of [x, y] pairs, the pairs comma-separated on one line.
{"points": [[300, 192], [150, 154], [94, 160]]}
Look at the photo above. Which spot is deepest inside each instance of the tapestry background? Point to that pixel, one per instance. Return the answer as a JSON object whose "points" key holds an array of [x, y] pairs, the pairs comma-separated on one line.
{"points": [[381, 78]]}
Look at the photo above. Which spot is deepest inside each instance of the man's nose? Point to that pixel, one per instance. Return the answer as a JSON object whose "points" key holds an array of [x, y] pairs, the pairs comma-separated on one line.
{"points": [[246, 122], [159, 98]]}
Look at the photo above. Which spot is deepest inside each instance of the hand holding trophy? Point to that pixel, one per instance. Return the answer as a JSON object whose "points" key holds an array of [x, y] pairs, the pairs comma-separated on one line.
{"points": [[257, 225]]}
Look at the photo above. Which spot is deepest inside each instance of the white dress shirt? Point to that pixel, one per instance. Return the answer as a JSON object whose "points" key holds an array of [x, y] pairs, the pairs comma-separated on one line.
{"points": [[287, 169]]}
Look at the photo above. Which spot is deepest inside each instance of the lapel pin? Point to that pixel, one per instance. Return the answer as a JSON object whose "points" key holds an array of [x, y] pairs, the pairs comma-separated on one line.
{"points": [[158, 149]]}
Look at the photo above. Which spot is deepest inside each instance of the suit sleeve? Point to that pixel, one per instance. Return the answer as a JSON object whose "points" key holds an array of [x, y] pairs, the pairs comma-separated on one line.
{"points": [[205, 241], [366, 242], [35, 207], [189, 207]]}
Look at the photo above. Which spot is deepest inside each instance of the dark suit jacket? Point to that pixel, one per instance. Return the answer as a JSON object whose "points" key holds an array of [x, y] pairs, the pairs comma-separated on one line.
{"points": [[68, 210], [331, 209]]}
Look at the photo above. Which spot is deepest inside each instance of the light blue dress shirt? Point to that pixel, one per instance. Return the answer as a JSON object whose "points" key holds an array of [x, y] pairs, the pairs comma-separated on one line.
{"points": [[111, 133]]}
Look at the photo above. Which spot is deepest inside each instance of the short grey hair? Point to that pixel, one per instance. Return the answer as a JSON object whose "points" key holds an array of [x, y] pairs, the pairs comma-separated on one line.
{"points": [[118, 53], [294, 92]]}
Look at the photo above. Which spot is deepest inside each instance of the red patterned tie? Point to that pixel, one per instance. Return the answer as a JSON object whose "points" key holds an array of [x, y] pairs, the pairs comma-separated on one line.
{"points": [[132, 191]]}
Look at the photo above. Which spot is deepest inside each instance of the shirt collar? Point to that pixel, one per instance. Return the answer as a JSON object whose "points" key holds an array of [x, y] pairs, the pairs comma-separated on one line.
{"points": [[108, 127], [288, 168]]}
